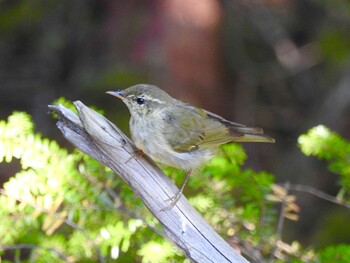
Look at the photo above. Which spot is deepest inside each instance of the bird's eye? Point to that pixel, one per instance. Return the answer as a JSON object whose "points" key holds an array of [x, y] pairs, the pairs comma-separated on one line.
{"points": [[140, 101]]}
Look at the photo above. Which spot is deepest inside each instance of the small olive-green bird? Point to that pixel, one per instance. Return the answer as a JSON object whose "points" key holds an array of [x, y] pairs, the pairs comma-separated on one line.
{"points": [[176, 133]]}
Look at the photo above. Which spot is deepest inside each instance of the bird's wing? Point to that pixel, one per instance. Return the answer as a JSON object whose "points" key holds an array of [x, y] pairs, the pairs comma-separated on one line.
{"points": [[190, 128]]}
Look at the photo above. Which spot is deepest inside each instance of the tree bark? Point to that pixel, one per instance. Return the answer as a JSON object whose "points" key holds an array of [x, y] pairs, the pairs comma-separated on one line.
{"points": [[94, 135]]}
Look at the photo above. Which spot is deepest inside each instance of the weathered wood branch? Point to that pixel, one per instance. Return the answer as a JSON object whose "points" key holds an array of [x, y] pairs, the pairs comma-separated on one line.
{"points": [[97, 137]]}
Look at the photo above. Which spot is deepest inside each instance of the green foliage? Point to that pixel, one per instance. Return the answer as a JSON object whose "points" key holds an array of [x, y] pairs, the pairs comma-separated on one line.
{"points": [[339, 254], [335, 150], [157, 252], [237, 193], [67, 104], [64, 203], [327, 145]]}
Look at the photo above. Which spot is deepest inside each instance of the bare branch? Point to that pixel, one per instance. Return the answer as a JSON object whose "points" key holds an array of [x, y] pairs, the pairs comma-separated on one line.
{"points": [[97, 137], [319, 194]]}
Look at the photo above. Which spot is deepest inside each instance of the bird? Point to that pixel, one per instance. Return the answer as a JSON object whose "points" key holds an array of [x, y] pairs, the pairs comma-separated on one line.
{"points": [[178, 134]]}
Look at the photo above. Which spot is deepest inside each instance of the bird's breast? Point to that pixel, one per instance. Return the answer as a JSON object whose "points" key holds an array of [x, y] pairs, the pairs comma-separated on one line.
{"points": [[144, 134], [149, 137]]}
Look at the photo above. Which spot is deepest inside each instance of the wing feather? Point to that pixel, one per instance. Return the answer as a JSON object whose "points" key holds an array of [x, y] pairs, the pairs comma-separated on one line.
{"points": [[185, 134], [203, 129]]}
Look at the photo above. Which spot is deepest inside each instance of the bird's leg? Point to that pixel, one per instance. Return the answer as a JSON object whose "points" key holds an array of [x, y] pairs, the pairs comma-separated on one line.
{"points": [[176, 197]]}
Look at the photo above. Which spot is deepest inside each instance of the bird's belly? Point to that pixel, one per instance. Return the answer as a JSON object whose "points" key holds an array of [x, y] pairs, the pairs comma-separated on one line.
{"points": [[150, 140], [186, 161]]}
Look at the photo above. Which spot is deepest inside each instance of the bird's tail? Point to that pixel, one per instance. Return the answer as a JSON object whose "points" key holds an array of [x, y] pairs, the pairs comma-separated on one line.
{"points": [[249, 134]]}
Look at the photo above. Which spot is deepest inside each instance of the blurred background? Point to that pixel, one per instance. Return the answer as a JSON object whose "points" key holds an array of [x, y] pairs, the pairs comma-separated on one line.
{"points": [[278, 64]]}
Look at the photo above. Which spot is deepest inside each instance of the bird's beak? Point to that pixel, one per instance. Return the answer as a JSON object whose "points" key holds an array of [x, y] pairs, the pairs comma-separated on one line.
{"points": [[118, 94]]}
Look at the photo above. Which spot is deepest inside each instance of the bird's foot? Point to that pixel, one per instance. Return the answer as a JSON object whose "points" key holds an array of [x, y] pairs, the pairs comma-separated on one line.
{"points": [[173, 200]]}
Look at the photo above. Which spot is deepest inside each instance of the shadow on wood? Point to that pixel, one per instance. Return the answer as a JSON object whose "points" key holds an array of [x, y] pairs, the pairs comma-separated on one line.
{"points": [[94, 135]]}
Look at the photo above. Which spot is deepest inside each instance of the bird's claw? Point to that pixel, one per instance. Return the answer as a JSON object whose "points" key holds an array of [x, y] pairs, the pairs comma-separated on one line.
{"points": [[173, 200]]}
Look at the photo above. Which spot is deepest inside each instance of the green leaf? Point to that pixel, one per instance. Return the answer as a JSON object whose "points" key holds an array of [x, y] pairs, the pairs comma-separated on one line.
{"points": [[339, 253]]}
